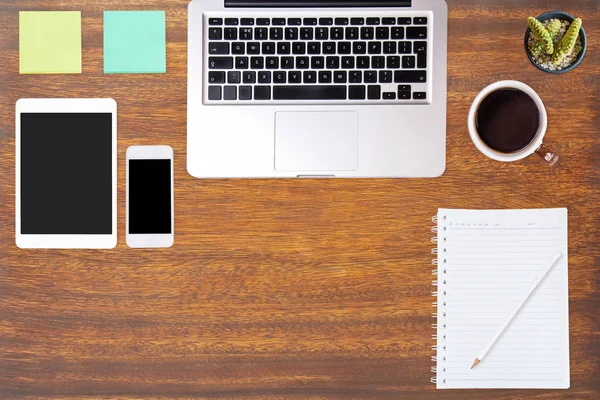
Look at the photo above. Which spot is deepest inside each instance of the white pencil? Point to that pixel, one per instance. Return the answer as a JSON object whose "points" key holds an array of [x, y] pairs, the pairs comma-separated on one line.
{"points": [[528, 294]]}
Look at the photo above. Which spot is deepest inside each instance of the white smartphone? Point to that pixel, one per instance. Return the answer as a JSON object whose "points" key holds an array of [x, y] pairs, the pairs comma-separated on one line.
{"points": [[150, 205]]}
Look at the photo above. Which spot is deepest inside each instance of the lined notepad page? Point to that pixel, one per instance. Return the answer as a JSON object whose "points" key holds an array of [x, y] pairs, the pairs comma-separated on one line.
{"points": [[487, 260]]}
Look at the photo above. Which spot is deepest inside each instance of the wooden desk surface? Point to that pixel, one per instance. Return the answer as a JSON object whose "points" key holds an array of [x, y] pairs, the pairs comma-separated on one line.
{"points": [[286, 289]]}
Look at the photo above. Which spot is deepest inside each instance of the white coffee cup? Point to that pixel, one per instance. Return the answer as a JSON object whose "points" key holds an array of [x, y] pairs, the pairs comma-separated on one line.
{"points": [[536, 145]]}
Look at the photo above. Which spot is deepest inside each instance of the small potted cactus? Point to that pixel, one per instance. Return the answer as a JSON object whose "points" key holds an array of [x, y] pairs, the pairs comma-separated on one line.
{"points": [[555, 42]]}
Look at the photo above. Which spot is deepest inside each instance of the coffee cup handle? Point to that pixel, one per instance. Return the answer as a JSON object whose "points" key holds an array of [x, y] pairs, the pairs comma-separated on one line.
{"points": [[547, 155]]}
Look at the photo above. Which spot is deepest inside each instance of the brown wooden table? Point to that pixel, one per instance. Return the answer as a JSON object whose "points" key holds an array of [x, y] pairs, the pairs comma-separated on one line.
{"points": [[286, 289]]}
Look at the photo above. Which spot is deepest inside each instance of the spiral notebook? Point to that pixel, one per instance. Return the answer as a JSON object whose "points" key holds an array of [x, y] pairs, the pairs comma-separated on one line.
{"points": [[485, 261]]}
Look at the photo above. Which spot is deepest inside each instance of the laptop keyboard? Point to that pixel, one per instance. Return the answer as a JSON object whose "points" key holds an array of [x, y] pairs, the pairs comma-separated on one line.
{"points": [[331, 59]]}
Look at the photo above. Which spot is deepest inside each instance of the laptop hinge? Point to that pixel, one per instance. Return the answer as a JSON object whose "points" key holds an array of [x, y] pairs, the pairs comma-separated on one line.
{"points": [[316, 3]]}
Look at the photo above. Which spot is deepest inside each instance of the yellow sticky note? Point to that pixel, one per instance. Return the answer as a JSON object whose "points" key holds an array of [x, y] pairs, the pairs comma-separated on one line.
{"points": [[50, 42]]}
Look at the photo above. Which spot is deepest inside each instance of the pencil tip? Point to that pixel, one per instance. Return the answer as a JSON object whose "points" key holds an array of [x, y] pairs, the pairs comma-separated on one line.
{"points": [[475, 363]]}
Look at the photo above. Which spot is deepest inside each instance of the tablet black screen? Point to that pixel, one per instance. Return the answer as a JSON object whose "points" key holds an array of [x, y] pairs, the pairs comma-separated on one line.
{"points": [[66, 173]]}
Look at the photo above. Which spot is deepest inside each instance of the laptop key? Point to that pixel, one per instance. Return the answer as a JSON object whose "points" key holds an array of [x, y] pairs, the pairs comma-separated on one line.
{"points": [[355, 77], [215, 33], [253, 48], [385, 76], [306, 33], [366, 33], [410, 76], [216, 77], [342, 21], [397, 32], [370, 77], [348, 62], [389, 96], [247, 21], [299, 48], [357, 92], [287, 62], [324, 76], [404, 21], [230, 33], [231, 21], [276, 33], [420, 20], [404, 88], [302, 62], [389, 47], [352, 33], [284, 48], [272, 63], [262, 92], [314, 48], [363, 62], [378, 62], [245, 92], [294, 21], [344, 47], [322, 33], [310, 77], [257, 62], [419, 95], [220, 62], [393, 62], [408, 62], [340, 76], [263, 21], [421, 51], [279, 77], [230, 93], [234, 77], [382, 33], [359, 47], [291, 33], [278, 21], [325, 21], [317, 62], [374, 92], [261, 33], [403, 95], [294, 77], [249, 77], [404, 47], [416, 32], [333, 62], [214, 92], [246, 34], [329, 48], [374, 47], [310, 21], [373, 21], [215, 21], [337, 33], [388, 21], [238, 48], [357, 21], [321, 92], [241, 62], [218, 48], [268, 48], [264, 77]]}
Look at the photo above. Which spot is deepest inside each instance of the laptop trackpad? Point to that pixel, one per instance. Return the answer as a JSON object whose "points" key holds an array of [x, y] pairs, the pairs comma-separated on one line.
{"points": [[316, 141]]}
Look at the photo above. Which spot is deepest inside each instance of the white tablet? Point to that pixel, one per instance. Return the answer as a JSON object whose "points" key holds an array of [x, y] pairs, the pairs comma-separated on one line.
{"points": [[66, 167]]}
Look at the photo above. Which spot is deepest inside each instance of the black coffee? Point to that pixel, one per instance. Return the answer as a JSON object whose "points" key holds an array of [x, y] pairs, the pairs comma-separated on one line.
{"points": [[508, 120]]}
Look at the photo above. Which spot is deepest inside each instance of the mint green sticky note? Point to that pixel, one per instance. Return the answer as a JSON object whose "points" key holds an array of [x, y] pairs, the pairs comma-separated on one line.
{"points": [[50, 42], [134, 42]]}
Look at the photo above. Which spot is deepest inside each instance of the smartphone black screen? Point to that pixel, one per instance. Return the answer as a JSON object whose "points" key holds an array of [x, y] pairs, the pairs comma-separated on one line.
{"points": [[149, 197]]}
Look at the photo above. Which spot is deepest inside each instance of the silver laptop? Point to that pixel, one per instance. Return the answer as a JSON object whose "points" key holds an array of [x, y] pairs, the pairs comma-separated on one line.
{"points": [[317, 88]]}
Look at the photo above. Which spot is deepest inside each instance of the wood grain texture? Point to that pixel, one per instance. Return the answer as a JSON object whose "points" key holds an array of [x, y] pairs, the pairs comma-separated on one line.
{"points": [[286, 289]]}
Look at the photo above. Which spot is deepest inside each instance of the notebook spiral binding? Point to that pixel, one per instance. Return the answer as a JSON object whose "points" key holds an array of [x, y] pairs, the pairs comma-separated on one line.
{"points": [[439, 292]]}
